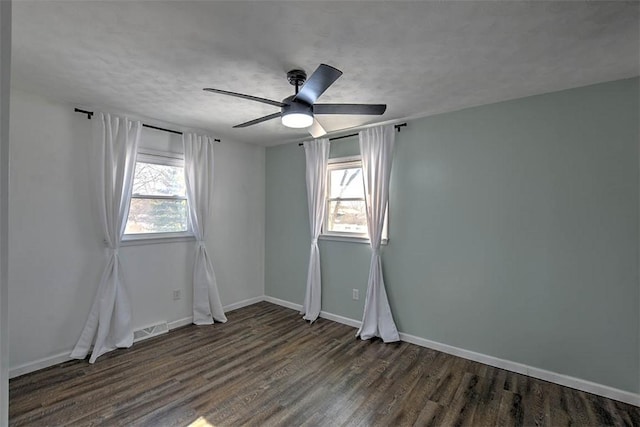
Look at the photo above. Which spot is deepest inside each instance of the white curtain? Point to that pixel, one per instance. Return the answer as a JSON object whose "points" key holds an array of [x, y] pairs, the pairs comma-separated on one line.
{"points": [[376, 148], [116, 143], [317, 158], [198, 170]]}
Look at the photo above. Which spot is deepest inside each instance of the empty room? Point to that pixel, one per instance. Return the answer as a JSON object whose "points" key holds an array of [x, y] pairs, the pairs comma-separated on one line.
{"points": [[319, 213]]}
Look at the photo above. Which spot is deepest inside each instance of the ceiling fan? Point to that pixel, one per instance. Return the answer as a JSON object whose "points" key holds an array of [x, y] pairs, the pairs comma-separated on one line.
{"points": [[297, 111]]}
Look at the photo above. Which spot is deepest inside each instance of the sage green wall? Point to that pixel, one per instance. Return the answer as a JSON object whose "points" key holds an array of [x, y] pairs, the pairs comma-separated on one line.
{"points": [[514, 232]]}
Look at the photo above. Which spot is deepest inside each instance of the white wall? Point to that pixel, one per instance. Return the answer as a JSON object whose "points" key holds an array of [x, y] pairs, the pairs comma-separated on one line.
{"points": [[55, 254], [5, 72]]}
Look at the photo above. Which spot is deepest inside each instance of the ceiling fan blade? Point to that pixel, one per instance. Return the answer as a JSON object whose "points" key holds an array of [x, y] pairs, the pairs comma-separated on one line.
{"points": [[260, 120], [320, 80], [249, 97], [363, 109], [316, 130]]}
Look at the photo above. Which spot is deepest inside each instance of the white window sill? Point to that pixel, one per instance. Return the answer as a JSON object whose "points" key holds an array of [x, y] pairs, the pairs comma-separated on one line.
{"points": [[155, 238], [350, 239]]}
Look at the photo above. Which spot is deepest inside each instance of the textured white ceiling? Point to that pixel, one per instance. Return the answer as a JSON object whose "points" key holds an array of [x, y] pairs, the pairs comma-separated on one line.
{"points": [[153, 58]]}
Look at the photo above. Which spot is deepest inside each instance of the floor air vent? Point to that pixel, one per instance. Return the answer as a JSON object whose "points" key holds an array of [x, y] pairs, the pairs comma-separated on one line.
{"points": [[151, 331]]}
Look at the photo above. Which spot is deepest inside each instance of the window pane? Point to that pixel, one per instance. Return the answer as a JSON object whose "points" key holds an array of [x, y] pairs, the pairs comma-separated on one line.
{"points": [[347, 217], [346, 183], [157, 216], [158, 180]]}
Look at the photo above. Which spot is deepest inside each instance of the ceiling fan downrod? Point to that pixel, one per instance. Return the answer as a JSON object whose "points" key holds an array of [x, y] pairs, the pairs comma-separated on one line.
{"points": [[297, 78]]}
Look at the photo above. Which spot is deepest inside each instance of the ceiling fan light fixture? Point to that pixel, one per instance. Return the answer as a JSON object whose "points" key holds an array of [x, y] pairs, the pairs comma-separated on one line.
{"points": [[297, 120]]}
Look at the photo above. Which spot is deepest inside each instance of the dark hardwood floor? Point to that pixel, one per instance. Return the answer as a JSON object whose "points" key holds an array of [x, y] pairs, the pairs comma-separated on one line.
{"points": [[267, 367]]}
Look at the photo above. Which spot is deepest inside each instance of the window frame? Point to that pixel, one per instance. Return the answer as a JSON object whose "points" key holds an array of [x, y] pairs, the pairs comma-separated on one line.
{"points": [[165, 158], [339, 163]]}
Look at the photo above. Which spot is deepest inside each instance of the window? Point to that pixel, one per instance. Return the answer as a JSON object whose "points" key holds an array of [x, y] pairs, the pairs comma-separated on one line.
{"points": [[346, 214], [158, 196]]}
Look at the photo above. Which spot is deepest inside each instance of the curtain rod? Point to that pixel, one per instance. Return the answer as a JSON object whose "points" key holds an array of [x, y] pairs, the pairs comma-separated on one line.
{"points": [[90, 114], [398, 126]]}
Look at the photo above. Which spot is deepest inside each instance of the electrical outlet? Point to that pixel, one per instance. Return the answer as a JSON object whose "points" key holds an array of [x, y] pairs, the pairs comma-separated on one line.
{"points": [[176, 295], [356, 294]]}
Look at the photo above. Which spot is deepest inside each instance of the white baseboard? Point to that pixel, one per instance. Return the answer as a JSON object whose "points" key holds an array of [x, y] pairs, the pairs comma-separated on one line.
{"points": [[283, 303], [542, 374], [36, 365], [180, 322], [554, 377], [243, 303], [340, 319]]}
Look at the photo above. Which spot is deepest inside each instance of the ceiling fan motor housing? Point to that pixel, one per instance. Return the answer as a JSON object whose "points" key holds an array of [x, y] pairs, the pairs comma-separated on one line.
{"points": [[290, 106]]}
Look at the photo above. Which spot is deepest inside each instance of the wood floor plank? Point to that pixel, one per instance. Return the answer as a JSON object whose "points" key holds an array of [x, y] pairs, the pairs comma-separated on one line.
{"points": [[559, 414], [490, 395], [534, 405], [266, 366], [462, 407], [429, 414]]}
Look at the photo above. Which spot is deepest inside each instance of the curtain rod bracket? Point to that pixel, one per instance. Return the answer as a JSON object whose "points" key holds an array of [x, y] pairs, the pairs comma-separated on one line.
{"points": [[88, 113]]}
